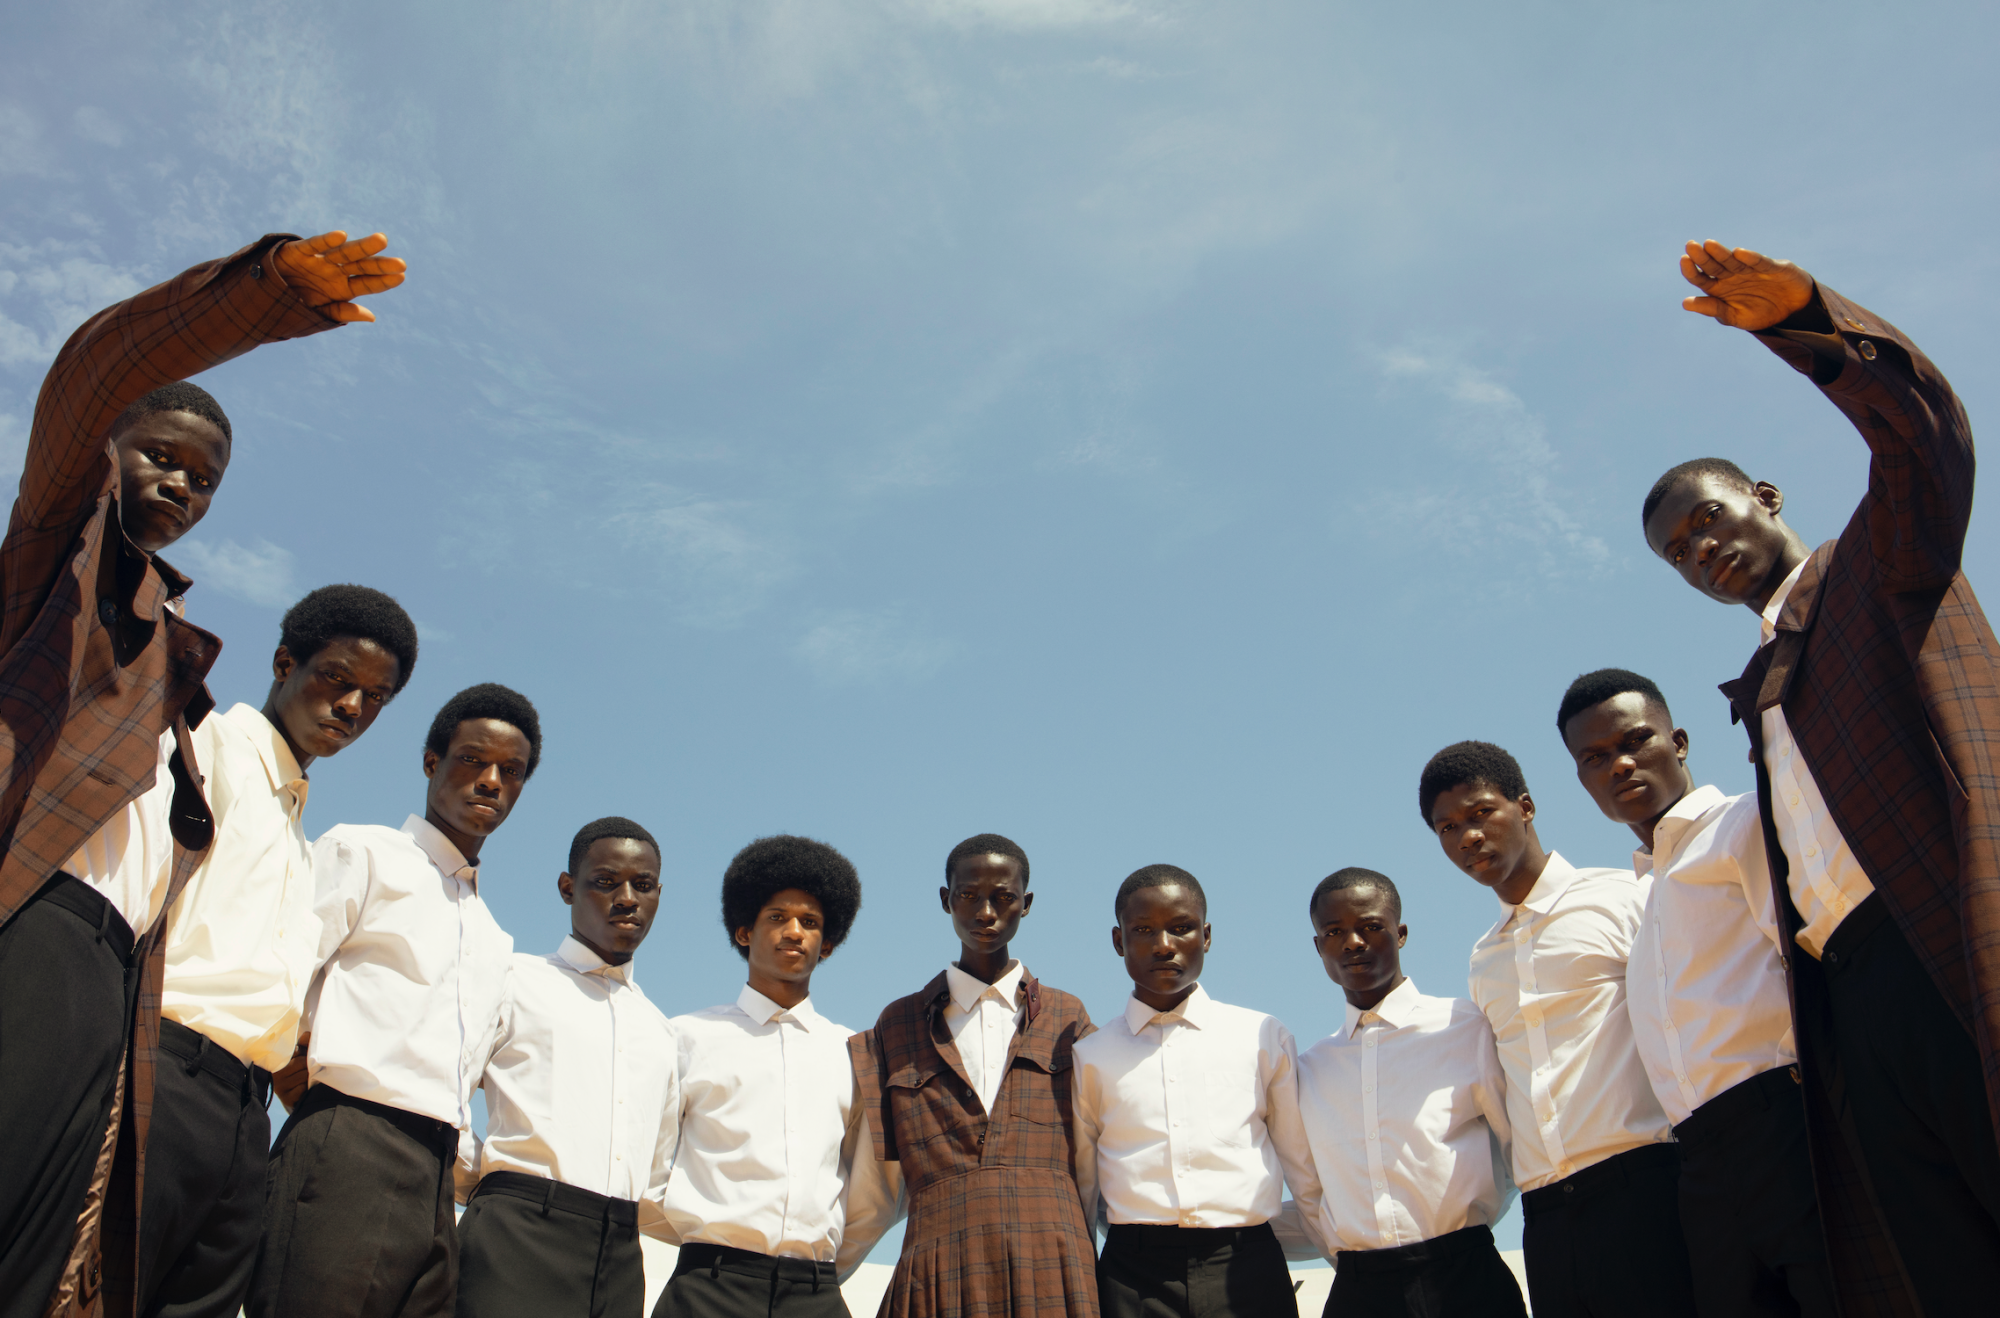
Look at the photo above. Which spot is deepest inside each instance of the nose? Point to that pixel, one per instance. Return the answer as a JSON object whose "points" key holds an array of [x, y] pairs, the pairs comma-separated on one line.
{"points": [[174, 485], [1352, 941], [349, 705], [1624, 767], [488, 781], [1472, 838]]}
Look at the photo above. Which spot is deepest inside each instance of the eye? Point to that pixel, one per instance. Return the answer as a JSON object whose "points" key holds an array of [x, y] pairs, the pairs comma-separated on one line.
{"points": [[377, 698]]}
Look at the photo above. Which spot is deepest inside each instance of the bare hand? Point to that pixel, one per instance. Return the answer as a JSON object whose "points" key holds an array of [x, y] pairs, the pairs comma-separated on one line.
{"points": [[330, 272], [1745, 289], [289, 1080]]}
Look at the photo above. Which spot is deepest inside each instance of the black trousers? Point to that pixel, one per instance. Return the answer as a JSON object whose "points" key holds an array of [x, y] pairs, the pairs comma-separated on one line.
{"points": [[358, 1216], [535, 1248], [205, 1160], [711, 1281], [1907, 1085], [1606, 1242], [1748, 1210], [1458, 1273], [66, 986], [1193, 1272]]}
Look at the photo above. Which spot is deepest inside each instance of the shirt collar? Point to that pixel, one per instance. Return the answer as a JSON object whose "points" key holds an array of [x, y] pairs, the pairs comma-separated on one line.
{"points": [[575, 954], [1674, 826], [1769, 625], [440, 849], [1194, 1009], [279, 763], [966, 990], [763, 1011], [1557, 875], [1394, 1010]]}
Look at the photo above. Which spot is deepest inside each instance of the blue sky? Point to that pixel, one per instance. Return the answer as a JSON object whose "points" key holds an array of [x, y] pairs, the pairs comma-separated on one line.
{"points": [[1146, 430]]}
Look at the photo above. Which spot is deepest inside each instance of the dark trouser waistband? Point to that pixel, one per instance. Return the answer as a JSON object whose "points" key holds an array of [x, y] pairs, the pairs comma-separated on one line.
{"points": [[1184, 1239], [555, 1195], [68, 893], [1848, 936], [1613, 1172], [1714, 1118], [441, 1137], [200, 1053], [721, 1258], [1451, 1244]]}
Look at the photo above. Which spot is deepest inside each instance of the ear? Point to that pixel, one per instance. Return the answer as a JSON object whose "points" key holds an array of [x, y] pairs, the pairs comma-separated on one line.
{"points": [[1207, 935], [1402, 935], [430, 762], [742, 936], [1118, 940], [1527, 804], [282, 664], [826, 950], [1681, 743], [1769, 496], [1027, 902], [567, 887], [944, 897]]}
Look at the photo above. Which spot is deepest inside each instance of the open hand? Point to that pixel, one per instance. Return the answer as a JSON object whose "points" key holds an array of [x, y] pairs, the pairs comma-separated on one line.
{"points": [[1744, 289], [290, 1080], [330, 272]]}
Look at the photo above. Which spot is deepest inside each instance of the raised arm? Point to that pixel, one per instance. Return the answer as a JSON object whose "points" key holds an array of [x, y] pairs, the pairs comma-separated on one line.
{"points": [[1920, 476]]}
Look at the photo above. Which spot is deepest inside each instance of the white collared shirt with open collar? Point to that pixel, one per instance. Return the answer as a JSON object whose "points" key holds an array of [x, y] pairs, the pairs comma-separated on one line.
{"points": [[1406, 1113], [770, 1123], [413, 966], [130, 860], [1191, 1118], [1826, 881], [1551, 979], [242, 941], [583, 1085], [982, 1019]]}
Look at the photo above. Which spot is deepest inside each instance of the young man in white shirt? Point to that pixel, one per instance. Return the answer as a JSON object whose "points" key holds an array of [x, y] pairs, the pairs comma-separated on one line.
{"points": [[398, 1026], [1405, 1111], [767, 1197], [242, 945], [1187, 1125], [582, 1106], [1592, 1150], [1706, 994]]}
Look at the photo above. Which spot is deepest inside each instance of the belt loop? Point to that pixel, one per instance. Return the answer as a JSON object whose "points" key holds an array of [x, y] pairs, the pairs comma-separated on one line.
{"points": [[548, 1197], [715, 1266], [200, 1051], [104, 921], [815, 1276]]}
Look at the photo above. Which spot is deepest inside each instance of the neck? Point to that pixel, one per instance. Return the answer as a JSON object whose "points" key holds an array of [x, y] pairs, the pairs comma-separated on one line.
{"points": [[1369, 999], [1794, 553], [605, 955], [1514, 889], [786, 993], [1164, 1001], [276, 719], [468, 846], [986, 967], [1645, 828]]}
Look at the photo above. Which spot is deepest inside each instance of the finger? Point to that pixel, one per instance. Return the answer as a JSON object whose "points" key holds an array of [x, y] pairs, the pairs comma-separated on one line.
{"points": [[1704, 306], [1719, 260], [367, 284], [1698, 256], [324, 242], [358, 249], [375, 265], [1746, 258], [1694, 274], [347, 312]]}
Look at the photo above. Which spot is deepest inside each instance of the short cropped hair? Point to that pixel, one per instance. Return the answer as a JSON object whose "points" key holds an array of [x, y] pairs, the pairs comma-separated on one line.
{"points": [[1469, 762], [358, 611], [1664, 486], [1157, 876], [599, 829], [1595, 688], [770, 865], [987, 844], [1356, 877], [488, 700], [180, 396]]}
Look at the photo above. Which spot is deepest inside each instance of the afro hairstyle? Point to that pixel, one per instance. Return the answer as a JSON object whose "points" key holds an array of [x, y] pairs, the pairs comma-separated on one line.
{"points": [[1598, 687], [1157, 876], [987, 844], [599, 829], [1667, 483], [1356, 877], [180, 396], [488, 700], [1469, 762], [358, 611], [770, 865]]}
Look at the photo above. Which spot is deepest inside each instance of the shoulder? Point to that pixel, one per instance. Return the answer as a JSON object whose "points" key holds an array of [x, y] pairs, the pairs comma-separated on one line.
{"points": [[1604, 889], [365, 839], [1068, 1004], [905, 1011], [724, 1019], [1250, 1021], [1105, 1037]]}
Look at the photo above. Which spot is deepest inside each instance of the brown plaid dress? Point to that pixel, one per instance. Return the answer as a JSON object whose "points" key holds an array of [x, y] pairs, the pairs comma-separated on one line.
{"points": [[94, 667], [1886, 668], [996, 1227]]}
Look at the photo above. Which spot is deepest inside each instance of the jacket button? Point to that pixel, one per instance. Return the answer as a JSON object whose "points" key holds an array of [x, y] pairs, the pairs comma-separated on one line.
{"points": [[1867, 350], [108, 610]]}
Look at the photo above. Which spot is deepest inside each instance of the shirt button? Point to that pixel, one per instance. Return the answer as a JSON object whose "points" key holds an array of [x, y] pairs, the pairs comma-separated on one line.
{"points": [[108, 610], [1794, 799], [1812, 851]]}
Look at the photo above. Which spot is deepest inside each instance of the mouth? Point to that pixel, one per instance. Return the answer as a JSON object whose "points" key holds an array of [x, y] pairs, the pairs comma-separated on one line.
{"points": [[628, 922], [1721, 570], [169, 512], [1481, 860], [1631, 792], [336, 731], [482, 810]]}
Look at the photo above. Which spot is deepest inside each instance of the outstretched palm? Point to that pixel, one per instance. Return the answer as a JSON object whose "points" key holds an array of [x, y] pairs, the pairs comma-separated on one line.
{"points": [[1742, 288], [330, 272]]}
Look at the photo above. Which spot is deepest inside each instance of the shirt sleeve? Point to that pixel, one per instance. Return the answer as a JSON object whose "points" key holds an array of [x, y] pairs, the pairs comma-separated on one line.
{"points": [[873, 1196], [1287, 1127], [340, 881], [1490, 1096], [652, 1205], [1086, 1128]]}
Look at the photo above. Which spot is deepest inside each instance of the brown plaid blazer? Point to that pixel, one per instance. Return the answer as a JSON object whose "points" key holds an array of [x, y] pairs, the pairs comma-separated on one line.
{"points": [[94, 667], [1886, 669], [996, 1228]]}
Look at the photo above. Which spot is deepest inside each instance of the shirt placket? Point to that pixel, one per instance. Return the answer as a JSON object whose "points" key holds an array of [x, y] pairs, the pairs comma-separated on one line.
{"points": [[1791, 794], [458, 977], [620, 1174], [1671, 1030], [793, 1142], [1542, 1071], [1179, 1134], [1371, 1125]]}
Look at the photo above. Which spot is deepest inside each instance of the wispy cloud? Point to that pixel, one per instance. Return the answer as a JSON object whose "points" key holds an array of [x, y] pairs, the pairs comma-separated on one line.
{"points": [[869, 647], [46, 290], [100, 126], [1029, 13], [259, 574]]}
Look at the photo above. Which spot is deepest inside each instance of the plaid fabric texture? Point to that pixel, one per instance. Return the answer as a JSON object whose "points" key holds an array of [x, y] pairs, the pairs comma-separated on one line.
{"points": [[996, 1228], [1886, 668], [94, 667]]}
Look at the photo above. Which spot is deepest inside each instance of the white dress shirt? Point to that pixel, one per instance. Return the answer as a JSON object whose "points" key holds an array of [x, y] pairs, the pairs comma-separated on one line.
{"points": [[982, 1020], [1826, 880], [1705, 987], [130, 860], [1406, 1113], [405, 1005], [583, 1086], [1551, 979], [242, 941], [770, 1124], [1190, 1117]]}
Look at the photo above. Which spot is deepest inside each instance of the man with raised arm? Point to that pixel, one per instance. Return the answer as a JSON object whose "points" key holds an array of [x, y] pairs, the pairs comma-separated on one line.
{"points": [[1872, 703], [100, 680]]}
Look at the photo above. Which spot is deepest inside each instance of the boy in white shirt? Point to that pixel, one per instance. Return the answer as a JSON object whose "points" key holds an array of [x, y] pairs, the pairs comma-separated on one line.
{"points": [[1706, 996], [1405, 1111], [1187, 1125], [582, 1106]]}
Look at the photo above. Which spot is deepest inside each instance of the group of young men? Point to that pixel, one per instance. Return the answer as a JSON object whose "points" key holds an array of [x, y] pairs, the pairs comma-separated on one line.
{"points": [[1753, 1073]]}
